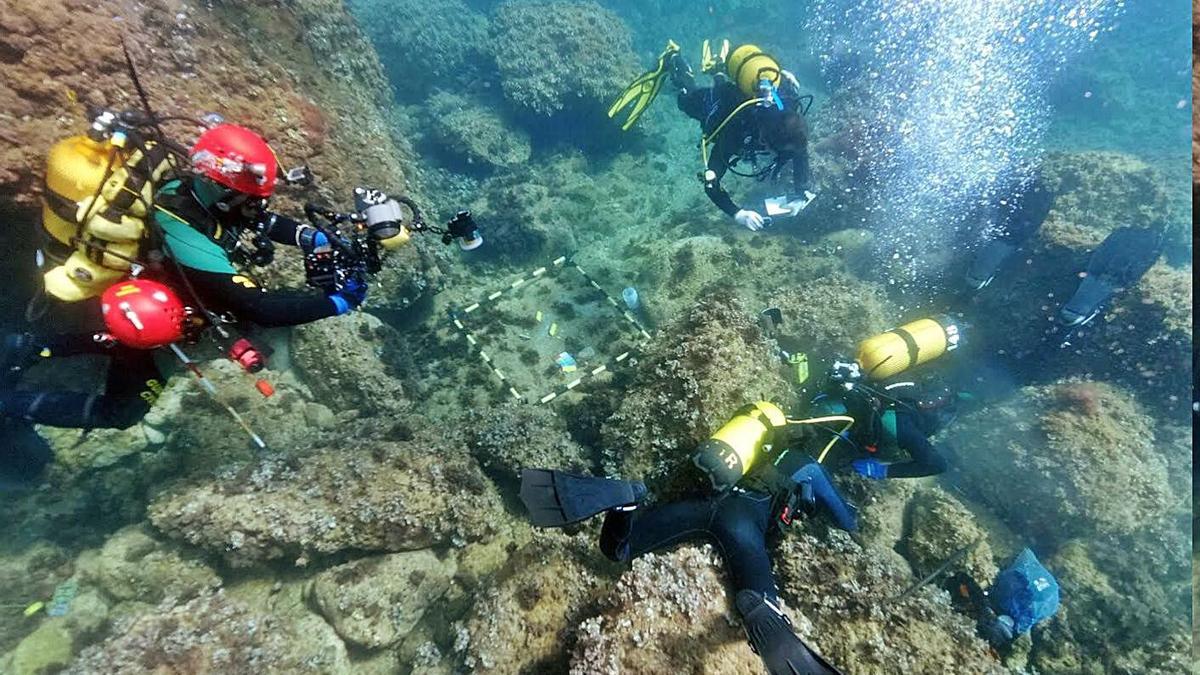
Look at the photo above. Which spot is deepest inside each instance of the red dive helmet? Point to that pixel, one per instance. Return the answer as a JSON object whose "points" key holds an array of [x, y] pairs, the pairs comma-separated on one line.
{"points": [[237, 158], [143, 314]]}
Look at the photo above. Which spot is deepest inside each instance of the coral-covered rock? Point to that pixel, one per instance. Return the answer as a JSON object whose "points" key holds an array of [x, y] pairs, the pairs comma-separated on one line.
{"points": [[191, 59], [472, 133], [939, 525], [523, 621], [838, 593], [523, 222], [1065, 460], [340, 360], [557, 55], [689, 381], [372, 496], [374, 602], [134, 566], [212, 634], [512, 437], [27, 576], [833, 316], [669, 613], [420, 47], [1097, 192]]}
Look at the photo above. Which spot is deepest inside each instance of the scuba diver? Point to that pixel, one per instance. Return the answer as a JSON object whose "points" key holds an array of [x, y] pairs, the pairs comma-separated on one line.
{"points": [[1024, 594], [753, 113], [898, 416], [1011, 221], [200, 227], [775, 482]]}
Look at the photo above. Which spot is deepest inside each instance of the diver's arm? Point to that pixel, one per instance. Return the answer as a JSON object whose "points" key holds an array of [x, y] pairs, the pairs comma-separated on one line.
{"points": [[718, 164], [248, 302], [288, 231], [800, 171], [926, 461]]}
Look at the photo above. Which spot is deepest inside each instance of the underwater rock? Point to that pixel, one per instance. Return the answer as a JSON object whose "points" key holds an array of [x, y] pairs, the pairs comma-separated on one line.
{"points": [[524, 619], [368, 495], [192, 59], [557, 55], [939, 525], [134, 566], [831, 317], [473, 133], [27, 575], [669, 613], [523, 223], [839, 594], [340, 359], [56, 640], [48, 649], [690, 379], [211, 633], [1084, 456], [1097, 192], [420, 46], [374, 602], [511, 437]]}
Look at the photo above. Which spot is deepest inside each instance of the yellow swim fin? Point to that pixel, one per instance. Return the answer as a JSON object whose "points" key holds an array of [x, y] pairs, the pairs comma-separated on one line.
{"points": [[643, 90], [709, 62]]}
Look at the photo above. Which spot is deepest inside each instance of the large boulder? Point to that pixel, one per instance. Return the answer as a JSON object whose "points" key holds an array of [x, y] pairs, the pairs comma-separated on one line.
{"points": [[473, 134], [375, 602], [525, 619], [940, 526], [375, 496], [669, 613], [339, 358], [210, 634], [419, 47], [1080, 459], [689, 381], [511, 437], [842, 600], [134, 566], [561, 55]]}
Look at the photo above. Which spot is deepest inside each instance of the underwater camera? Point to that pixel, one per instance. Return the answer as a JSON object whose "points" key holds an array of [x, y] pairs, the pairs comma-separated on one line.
{"points": [[463, 228], [379, 221]]}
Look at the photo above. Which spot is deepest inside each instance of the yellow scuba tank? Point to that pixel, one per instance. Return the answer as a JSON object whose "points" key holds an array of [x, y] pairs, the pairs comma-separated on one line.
{"points": [[94, 211], [891, 353], [730, 452], [748, 65]]}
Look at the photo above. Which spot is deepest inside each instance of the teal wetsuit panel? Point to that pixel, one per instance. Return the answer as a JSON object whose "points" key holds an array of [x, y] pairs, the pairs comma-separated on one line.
{"points": [[189, 246]]}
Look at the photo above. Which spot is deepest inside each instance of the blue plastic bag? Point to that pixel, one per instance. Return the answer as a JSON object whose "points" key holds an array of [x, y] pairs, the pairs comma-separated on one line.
{"points": [[1026, 591]]}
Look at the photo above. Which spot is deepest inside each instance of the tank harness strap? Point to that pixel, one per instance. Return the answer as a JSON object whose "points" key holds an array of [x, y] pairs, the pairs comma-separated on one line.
{"points": [[909, 342], [737, 75], [61, 206]]}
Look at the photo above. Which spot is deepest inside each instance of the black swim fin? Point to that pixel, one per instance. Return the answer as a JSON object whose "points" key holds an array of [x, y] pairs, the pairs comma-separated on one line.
{"points": [[771, 636], [556, 498]]}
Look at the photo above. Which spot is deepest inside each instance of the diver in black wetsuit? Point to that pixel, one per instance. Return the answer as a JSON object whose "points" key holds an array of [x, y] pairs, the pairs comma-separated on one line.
{"points": [[740, 136], [739, 521], [203, 220], [901, 415]]}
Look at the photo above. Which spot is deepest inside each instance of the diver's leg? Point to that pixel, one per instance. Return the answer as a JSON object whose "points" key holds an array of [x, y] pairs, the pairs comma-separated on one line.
{"points": [[740, 528], [132, 387], [629, 534]]}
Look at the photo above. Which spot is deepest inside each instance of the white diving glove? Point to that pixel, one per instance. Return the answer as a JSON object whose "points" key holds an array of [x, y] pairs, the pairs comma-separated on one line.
{"points": [[751, 220]]}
